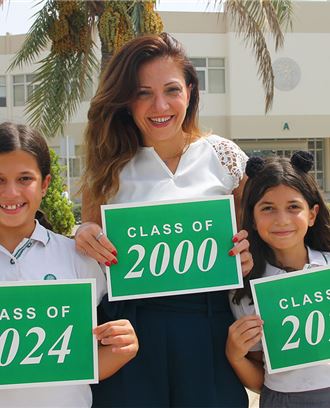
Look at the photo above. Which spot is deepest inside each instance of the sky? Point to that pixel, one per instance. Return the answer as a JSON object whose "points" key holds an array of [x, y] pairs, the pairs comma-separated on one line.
{"points": [[16, 15]]}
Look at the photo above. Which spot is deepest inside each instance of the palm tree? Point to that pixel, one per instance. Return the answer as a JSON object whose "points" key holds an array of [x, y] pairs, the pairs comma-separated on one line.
{"points": [[252, 19], [69, 25], [65, 73]]}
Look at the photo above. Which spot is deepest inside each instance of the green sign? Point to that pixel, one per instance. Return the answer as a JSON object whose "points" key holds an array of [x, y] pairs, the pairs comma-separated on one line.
{"points": [[295, 308], [172, 247], [46, 333]]}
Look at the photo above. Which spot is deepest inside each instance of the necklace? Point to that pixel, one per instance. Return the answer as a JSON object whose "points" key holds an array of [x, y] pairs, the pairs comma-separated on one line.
{"points": [[177, 155], [180, 153]]}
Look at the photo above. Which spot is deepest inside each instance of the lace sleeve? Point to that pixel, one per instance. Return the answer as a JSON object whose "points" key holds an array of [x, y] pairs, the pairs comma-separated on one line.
{"points": [[230, 156]]}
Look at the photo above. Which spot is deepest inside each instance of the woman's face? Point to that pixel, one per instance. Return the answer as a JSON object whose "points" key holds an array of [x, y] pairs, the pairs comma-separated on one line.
{"points": [[161, 101]]}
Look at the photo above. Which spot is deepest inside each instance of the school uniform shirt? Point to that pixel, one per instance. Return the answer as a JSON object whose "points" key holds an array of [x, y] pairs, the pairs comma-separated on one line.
{"points": [[301, 379], [48, 256]]}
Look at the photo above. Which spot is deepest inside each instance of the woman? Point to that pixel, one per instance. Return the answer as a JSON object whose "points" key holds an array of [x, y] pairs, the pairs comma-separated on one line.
{"points": [[143, 144]]}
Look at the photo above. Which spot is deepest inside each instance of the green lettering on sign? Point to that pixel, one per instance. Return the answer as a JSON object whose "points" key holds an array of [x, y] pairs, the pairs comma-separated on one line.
{"points": [[173, 247], [44, 327], [295, 307]]}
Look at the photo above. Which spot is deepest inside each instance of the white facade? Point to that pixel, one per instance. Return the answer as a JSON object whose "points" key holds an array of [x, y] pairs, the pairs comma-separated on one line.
{"points": [[299, 118]]}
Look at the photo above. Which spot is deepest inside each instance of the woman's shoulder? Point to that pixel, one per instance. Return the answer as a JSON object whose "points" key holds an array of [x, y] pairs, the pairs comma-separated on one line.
{"points": [[230, 156], [221, 142], [215, 139], [227, 150]]}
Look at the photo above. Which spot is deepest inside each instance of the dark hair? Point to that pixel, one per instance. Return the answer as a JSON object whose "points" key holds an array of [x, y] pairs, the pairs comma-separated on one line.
{"points": [[112, 137], [21, 137], [271, 172]]}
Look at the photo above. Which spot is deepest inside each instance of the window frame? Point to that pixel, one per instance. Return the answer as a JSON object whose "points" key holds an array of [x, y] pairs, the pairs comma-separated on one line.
{"points": [[26, 87], [285, 148], [3, 86], [206, 69]]}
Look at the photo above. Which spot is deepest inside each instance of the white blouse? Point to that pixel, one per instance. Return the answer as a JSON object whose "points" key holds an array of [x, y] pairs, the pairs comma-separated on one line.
{"points": [[210, 166]]}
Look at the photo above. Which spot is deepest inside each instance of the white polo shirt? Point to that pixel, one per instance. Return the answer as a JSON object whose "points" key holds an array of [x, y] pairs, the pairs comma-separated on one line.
{"points": [[301, 379], [46, 255]]}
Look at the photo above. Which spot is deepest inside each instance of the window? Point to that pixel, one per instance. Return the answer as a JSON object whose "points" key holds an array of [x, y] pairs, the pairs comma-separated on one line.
{"points": [[314, 146], [75, 166], [3, 101], [211, 74], [23, 88]]}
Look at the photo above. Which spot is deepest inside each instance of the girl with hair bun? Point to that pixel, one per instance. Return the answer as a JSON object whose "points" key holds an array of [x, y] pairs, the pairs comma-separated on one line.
{"points": [[289, 229]]}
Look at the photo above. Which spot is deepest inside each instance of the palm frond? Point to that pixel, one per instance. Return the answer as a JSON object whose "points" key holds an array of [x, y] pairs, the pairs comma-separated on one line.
{"points": [[62, 81], [275, 17], [252, 19], [62, 76], [137, 16], [215, 5], [95, 7], [284, 13], [37, 38], [247, 25]]}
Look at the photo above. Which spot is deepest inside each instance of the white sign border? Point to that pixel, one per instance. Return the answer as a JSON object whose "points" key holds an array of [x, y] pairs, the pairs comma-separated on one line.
{"points": [[229, 197], [95, 378], [255, 282]]}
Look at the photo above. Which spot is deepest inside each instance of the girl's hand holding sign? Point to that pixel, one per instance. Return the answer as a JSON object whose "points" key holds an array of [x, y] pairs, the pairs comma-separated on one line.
{"points": [[118, 345]]}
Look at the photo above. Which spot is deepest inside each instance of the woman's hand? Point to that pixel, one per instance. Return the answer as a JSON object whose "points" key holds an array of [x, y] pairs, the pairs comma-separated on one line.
{"points": [[91, 241], [242, 247], [119, 335], [242, 335]]}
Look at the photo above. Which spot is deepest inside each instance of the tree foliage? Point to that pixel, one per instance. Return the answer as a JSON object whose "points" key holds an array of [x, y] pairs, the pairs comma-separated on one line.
{"points": [[56, 207], [254, 20], [68, 27]]}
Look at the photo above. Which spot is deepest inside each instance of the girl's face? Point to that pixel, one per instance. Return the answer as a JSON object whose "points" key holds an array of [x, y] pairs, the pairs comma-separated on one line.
{"points": [[282, 217], [21, 191], [161, 101]]}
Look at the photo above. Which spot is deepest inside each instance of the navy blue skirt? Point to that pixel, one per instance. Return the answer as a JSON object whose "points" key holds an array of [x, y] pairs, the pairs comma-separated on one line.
{"points": [[181, 361]]}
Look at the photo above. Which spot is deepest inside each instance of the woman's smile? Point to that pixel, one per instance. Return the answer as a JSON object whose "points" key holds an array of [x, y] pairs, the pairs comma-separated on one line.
{"points": [[161, 121]]}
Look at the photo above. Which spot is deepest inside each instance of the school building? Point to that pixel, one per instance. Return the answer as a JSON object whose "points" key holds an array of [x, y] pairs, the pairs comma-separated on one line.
{"points": [[232, 97]]}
